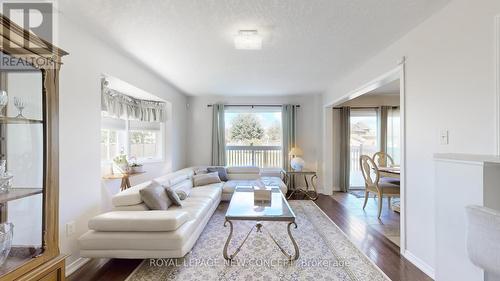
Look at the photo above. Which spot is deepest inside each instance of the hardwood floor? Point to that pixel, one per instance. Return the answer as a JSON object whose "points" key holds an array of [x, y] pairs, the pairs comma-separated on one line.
{"points": [[388, 224], [105, 270], [384, 253]]}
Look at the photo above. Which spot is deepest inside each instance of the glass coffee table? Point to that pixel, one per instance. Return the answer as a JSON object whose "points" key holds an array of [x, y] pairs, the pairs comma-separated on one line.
{"points": [[243, 208]]}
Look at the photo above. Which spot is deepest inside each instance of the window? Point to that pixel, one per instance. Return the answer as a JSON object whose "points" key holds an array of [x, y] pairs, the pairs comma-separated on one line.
{"points": [[364, 140], [142, 140], [109, 144], [393, 135], [253, 136]]}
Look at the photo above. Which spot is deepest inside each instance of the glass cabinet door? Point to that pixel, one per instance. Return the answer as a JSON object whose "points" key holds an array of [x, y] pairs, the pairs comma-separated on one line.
{"points": [[22, 139]]}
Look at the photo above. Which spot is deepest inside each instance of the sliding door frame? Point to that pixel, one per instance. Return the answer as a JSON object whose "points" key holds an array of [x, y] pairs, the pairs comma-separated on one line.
{"points": [[399, 72], [497, 83]]}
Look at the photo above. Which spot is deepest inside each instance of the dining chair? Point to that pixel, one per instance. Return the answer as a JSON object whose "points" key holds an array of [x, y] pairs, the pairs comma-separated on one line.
{"points": [[374, 184], [383, 159]]}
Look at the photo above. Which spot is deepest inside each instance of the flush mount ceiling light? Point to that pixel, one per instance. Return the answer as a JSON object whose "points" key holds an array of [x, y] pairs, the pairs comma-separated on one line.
{"points": [[248, 40]]}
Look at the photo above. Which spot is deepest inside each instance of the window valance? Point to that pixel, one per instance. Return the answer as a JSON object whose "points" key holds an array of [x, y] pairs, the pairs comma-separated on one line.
{"points": [[119, 105]]}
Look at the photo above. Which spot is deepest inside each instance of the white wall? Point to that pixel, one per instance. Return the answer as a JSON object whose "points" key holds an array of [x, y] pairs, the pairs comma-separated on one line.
{"points": [[373, 100], [81, 189], [309, 126], [450, 84]]}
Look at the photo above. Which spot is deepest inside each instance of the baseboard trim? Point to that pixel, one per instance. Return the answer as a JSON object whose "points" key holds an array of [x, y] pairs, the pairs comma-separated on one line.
{"points": [[74, 266], [426, 268]]}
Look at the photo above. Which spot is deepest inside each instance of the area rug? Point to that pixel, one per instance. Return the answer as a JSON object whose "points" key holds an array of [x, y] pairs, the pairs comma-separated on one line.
{"points": [[325, 253], [360, 193]]}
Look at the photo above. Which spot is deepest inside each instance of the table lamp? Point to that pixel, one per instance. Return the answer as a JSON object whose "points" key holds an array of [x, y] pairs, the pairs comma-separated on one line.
{"points": [[296, 163]]}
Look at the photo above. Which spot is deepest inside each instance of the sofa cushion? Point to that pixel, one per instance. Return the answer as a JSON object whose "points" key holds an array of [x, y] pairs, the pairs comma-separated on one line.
{"points": [[243, 173], [139, 220], [137, 207], [220, 170], [129, 196], [194, 206], [155, 197], [175, 177], [243, 170], [206, 179], [271, 172], [212, 191], [137, 240]]}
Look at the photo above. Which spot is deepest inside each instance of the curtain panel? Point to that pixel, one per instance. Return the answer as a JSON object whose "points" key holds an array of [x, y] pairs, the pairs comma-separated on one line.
{"points": [[383, 117], [119, 105], [345, 148], [289, 124], [218, 136]]}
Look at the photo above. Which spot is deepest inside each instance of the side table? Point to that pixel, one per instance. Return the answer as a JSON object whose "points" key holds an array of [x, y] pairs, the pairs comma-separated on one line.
{"points": [[310, 179], [125, 184]]}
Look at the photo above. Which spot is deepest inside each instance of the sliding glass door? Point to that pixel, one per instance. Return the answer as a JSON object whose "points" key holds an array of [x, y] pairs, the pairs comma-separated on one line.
{"points": [[364, 140]]}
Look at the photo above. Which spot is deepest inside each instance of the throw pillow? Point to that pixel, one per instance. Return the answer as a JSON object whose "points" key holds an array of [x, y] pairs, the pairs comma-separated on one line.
{"points": [[172, 195], [206, 179], [183, 189], [221, 171], [199, 171], [155, 197]]}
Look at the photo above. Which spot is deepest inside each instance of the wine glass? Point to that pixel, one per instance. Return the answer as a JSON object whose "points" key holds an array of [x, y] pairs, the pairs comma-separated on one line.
{"points": [[4, 99], [19, 104]]}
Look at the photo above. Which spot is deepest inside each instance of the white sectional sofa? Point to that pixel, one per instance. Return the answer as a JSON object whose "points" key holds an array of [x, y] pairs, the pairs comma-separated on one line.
{"points": [[131, 230]]}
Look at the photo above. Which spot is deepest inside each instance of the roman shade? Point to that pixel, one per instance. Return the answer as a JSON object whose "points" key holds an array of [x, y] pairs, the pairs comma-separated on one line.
{"points": [[120, 105]]}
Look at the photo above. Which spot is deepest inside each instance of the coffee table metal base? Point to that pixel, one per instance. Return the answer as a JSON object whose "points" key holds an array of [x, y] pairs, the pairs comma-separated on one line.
{"points": [[259, 226]]}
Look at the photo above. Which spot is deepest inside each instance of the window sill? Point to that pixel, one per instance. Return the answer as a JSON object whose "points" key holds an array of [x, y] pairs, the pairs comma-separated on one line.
{"points": [[150, 161], [140, 161]]}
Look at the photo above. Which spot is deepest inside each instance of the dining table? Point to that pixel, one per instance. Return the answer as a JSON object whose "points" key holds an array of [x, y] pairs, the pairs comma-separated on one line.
{"points": [[392, 172]]}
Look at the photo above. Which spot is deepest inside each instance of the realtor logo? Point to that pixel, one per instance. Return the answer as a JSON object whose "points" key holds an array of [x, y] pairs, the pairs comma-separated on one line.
{"points": [[36, 17]]}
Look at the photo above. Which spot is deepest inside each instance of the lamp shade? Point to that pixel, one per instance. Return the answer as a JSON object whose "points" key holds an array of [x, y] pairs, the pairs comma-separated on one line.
{"points": [[295, 151]]}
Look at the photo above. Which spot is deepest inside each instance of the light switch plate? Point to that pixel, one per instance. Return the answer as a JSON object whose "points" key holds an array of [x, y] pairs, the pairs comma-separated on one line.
{"points": [[70, 228], [444, 137]]}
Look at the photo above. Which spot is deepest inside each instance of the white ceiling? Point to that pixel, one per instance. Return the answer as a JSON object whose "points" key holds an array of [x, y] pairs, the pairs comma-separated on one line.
{"points": [[307, 43]]}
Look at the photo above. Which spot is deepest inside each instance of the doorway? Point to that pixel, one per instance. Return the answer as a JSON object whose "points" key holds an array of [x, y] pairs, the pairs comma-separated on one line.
{"points": [[376, 122]]}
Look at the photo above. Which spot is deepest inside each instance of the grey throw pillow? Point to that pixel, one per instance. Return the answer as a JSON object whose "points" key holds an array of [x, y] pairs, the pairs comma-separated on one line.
{"points": [[206, 179], [155, 197], [221, 171], [172, 195], [183, 190]]}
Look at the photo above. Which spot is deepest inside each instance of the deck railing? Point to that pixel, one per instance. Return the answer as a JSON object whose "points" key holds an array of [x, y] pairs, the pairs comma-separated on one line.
{"points": [[250, 155], [355, 154]]}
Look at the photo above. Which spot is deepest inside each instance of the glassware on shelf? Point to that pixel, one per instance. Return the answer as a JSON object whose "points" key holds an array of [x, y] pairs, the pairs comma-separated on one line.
{"points": [[5, 182], [19, 104], [3, 164], [5, 177], [4, 99], [6, 234]]}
